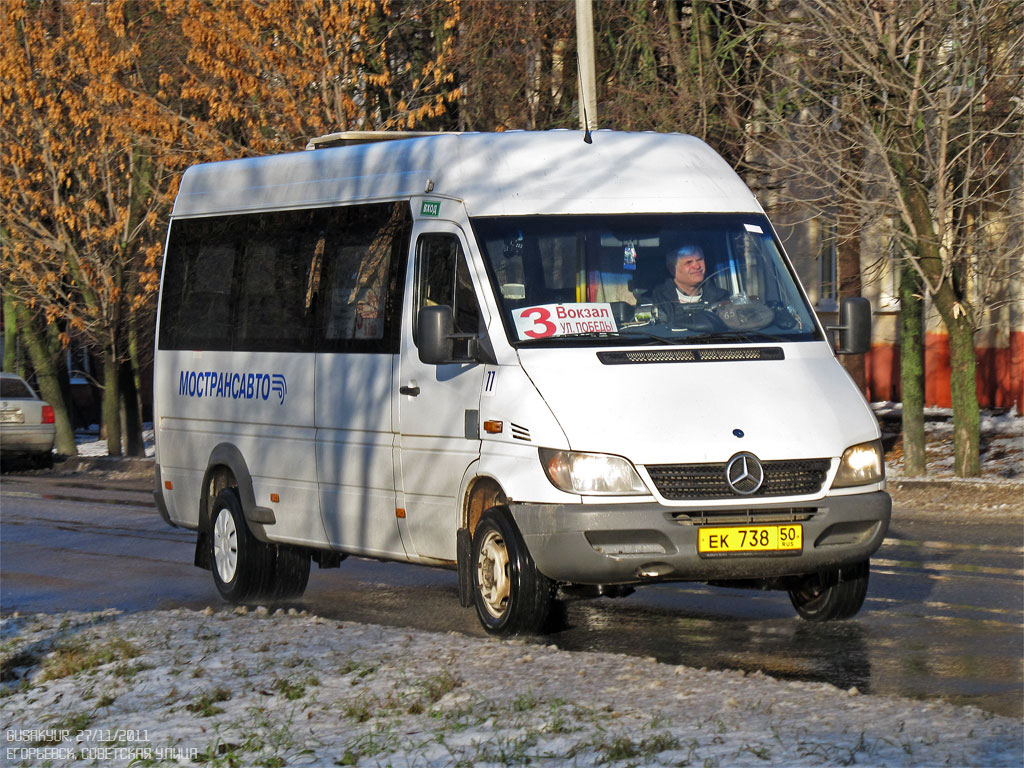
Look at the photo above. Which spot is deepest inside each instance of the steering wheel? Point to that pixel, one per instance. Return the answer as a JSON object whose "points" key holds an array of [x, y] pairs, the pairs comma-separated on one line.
{"points": [[745, 314], [700, 319]]}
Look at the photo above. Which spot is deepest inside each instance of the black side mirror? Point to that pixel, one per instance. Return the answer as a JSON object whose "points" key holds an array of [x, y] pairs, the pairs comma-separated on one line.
{"points": [[854, 326], [434, 330]]}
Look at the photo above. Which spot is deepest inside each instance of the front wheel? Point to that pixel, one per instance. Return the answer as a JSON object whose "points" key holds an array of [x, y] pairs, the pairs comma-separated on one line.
{"points": [[832, 595], [510, 594]]}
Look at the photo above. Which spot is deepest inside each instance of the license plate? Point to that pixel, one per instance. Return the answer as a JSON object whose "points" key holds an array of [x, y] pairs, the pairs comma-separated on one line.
{"points": [[743, 539], [12, 417]]}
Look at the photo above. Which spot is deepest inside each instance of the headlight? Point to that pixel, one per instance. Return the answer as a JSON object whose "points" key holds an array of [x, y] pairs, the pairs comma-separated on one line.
{"points": [[861, 465], [591, 473]]}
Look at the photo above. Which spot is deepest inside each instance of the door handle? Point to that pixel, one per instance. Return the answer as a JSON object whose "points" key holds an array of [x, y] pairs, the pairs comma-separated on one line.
{"points": [[412, 390]]}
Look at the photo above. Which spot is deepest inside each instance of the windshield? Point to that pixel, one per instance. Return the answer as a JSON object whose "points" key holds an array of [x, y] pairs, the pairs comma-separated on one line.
{"points": [[678, 278]]}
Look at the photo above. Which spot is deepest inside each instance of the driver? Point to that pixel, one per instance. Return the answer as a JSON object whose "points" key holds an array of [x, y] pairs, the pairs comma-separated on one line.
{"points": [[686, 284]]}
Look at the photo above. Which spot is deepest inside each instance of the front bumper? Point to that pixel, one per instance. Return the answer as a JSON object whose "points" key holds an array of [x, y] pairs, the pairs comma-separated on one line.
{"points": [[637, 543]]}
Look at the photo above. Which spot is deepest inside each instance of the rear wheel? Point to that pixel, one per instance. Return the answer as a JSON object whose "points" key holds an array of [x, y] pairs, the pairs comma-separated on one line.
{"points": [[837, 594], [241, 562], [291, 573], [511, 595]]}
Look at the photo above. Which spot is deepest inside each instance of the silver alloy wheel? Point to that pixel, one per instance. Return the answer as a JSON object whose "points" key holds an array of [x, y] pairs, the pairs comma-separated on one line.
{"points": [[492, 574], [225, 545]]}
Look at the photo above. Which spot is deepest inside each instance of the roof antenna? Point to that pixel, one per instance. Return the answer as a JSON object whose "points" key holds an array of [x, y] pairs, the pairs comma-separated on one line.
{"points": [[585, 63], [587, 138]]}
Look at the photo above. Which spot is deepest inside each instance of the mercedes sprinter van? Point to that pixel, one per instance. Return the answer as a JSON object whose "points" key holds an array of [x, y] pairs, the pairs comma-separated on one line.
{"points": [[559, 368]]}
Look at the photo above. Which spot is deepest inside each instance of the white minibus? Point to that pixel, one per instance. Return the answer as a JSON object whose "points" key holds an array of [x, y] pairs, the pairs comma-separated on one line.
{"points": [[559, 368]]}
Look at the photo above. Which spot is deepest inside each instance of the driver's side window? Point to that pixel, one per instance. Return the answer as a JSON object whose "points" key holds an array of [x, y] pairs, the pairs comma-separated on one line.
{"points": [[442, 277]]}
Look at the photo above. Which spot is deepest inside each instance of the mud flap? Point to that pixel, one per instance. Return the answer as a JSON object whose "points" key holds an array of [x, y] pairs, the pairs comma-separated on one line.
{"points": [[464, 553], [203, 550]]}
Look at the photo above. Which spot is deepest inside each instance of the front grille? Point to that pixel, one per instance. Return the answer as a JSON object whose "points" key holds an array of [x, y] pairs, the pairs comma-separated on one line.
{"points": [[682, 482]]}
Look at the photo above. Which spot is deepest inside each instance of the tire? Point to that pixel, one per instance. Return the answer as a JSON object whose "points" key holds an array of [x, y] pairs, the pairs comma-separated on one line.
{"points": [[241, 563], [511, 596], [291, 573], [837, 594]]}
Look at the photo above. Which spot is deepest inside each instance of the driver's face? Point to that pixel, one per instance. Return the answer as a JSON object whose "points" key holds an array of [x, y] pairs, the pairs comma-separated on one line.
{"points": [[689, 273]]}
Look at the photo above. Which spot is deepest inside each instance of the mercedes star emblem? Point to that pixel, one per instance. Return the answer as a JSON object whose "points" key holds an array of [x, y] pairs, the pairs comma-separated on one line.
{"points": [[744, 473]]}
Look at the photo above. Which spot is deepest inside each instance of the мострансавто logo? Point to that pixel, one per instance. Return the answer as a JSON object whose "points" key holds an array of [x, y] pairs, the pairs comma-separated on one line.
{"points": [[232, 385]]}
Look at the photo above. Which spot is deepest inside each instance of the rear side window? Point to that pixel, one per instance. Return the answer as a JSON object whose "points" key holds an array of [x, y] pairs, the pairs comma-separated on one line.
{"points": [[324, 279], [197, 283]]}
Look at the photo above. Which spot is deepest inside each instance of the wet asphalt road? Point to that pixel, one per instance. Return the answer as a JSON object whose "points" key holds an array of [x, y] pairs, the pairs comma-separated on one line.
{"points": [[944, 616]]}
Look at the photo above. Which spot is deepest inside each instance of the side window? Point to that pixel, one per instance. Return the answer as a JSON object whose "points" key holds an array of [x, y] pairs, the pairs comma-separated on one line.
{"points": [[271, 311], [442, 277], [359, 290], [197, 299], [327, 279]]}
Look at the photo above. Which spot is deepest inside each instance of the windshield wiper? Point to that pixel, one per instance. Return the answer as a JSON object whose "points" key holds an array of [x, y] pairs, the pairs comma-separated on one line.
{"points": [[574, 336], [653, 336]]}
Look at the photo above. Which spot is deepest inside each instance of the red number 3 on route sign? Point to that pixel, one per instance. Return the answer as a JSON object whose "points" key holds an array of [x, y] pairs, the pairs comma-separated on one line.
{"points": [[542, 321]]}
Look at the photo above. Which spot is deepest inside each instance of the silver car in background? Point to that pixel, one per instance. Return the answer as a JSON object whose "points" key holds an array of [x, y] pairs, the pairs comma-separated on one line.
{"points": [[26, 422]]}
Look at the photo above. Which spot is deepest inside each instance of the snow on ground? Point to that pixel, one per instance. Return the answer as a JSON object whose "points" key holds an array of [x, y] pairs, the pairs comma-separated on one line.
{"points": [[268, 688], [1001, 450], [281, 689], [90, 446]]}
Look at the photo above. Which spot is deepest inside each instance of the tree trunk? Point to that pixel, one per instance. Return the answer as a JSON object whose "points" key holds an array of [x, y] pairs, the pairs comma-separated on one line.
{"points": [[136, 369], [912, 371], [57, 352], [10, 334], [676, 48], [47, 376], [955, 314], [111, 400], [964, 388], [132, 417]]}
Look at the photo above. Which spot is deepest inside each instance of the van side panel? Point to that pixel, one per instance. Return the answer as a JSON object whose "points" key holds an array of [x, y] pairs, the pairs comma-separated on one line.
{"points": [[354, 440], [261, 404]]}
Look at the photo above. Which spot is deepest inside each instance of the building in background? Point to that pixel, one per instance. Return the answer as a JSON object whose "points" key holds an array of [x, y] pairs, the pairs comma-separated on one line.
{"points": [[999, 344]]}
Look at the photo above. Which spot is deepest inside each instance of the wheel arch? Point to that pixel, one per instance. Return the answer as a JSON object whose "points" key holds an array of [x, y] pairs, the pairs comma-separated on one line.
{"points": [[226, 468], [482, 492]]}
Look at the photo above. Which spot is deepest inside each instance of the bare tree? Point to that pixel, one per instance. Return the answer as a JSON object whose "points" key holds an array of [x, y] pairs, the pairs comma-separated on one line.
{"points": [[929, 92], [516, 65]]}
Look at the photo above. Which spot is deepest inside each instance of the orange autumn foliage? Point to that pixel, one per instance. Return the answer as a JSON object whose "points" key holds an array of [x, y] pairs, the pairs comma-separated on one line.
{"points": [[105, 103], [86, 167]]}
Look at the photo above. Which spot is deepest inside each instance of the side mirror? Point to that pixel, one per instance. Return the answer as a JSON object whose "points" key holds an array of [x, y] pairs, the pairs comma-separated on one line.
{"points": [[434, 330], [854, 326]]}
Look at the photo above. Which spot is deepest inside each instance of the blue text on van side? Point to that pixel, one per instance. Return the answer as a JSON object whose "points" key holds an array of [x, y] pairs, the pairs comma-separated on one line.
{"points": [[232, 385]]}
